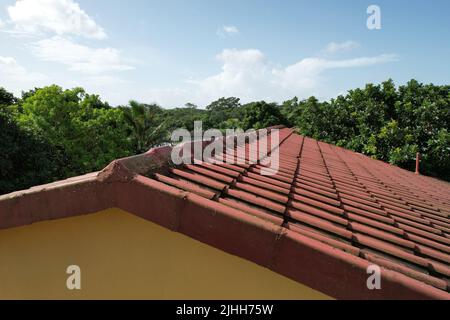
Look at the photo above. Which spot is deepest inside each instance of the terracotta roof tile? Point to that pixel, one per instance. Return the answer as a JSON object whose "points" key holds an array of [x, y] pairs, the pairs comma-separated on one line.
{"points": [[325, 201], [343, 195]]}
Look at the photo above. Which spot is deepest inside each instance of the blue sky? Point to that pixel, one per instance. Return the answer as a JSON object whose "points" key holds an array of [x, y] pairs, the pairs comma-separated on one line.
{"points": [[173, 52]]}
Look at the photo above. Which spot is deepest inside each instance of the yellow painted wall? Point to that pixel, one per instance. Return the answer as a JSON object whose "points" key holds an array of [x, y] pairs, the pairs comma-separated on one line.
{"points": [[122, 256]]}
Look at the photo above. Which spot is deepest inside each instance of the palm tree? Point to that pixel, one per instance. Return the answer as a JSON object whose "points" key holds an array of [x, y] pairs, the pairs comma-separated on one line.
{"points": [[143, 120]]}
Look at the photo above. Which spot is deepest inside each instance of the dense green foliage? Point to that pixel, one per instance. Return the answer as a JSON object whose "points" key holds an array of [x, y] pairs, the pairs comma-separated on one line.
{"points": [[383, 122], [89, 131], [146, 124], [6, 98], [51, 133], [224, 113], [26, 159], [258, 115]]}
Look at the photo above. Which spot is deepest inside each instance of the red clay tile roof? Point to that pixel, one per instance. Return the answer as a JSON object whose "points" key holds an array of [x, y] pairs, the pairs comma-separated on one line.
{"points": [[322, 219]]}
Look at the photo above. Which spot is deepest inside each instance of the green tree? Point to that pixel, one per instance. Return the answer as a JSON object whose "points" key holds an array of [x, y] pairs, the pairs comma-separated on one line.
{"points": [[182, 118], [87, 130], [6, 98], [258, 115], [26, 159], [382, 121], [146, 123], [223, 113]]}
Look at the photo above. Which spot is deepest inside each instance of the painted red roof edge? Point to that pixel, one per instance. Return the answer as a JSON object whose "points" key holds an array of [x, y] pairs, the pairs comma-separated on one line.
{"points": [[298, 257]]}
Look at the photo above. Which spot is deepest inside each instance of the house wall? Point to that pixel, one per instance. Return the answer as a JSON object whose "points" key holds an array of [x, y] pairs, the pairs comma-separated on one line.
{"points": [[122, 256]]}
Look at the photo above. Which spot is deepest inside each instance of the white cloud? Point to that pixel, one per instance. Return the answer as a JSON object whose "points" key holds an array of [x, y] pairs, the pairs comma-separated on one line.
{"points": [[10, 68], [335, 47], [57, 16], [306, 73], [15, 77], [78, 57], [247, 74], [228, 30], [1, 23], [244, 73], [103, 81]]}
